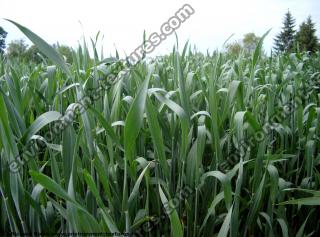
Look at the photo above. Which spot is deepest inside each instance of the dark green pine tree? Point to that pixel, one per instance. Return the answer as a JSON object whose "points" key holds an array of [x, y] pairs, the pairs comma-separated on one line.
{"points": [[3, 35], [306, 36], [284, 41]]}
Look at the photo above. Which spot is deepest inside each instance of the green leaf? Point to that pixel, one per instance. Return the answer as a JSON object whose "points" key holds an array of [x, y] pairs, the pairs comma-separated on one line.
{"points": [[91, 184], [39, 123], [135, 190], [134, 118], [176, 227], [309, 201], [45, 48], [223, 232]]}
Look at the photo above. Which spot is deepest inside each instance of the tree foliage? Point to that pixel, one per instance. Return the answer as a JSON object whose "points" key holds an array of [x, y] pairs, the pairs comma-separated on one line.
{"points": [[66, 52], [16, 48], [250, 41], [306, 36], [32, 54], [3, 35], [234, 48], [284, 41], [247, 44]]}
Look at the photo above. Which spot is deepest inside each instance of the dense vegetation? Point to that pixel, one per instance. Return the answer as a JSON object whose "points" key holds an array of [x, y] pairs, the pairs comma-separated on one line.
{"points": [[233, 142]]}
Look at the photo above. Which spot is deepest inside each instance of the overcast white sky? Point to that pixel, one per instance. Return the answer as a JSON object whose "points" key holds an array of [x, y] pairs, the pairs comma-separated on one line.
{"points": [[122, 22]]}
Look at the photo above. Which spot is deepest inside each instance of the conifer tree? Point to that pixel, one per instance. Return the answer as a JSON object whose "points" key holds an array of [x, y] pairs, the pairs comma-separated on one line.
{"points": [[306, 36], [3, 35], [284, 41]]}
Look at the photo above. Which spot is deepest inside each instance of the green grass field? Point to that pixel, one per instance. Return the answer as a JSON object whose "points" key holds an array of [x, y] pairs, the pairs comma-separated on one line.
{"points": [[181, 145]]}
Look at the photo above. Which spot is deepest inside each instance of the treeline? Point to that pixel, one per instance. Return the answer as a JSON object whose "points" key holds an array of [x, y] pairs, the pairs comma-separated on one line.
{"points": [[288, 40]]}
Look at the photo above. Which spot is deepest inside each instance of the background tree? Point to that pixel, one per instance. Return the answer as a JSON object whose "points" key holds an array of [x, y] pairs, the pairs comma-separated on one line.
{"points": [[247, 44], [32, 54], [16, 49], [234, 48], [284, 41], [306, 38], [66, 51], [19, 49], [250, 41], [3, 35]]}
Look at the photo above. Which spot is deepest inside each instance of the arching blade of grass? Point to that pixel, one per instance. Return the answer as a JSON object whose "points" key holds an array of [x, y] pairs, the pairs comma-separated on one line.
{"points": [[226, 224], [176, 227], [7, 141], [107, 127], [224, 179], [157, 138], [132, 128], [135, 190], [255, 203], [257, 53], [182, 87], [284, 227], [134, 118], [53, 187], [91, 184], [236, 203], [45, 48], [211, 210], [39, 123], [311, 201]]}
